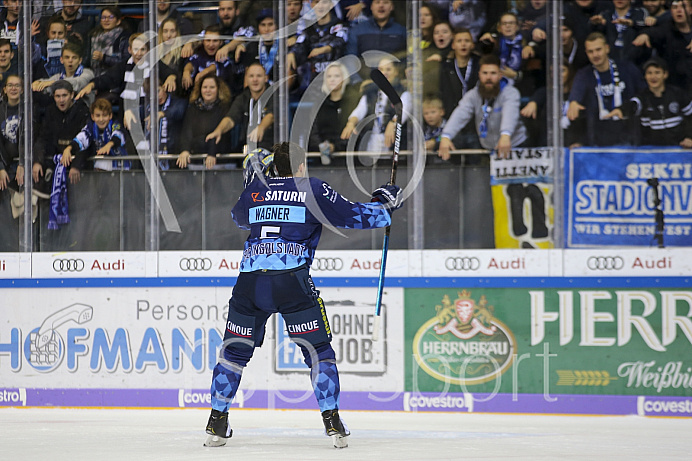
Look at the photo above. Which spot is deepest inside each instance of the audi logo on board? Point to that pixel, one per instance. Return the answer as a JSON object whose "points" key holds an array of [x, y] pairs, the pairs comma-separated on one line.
{"points": [[195, 264], [462, 263], [327, 264], [68, 265], [605, 263]]}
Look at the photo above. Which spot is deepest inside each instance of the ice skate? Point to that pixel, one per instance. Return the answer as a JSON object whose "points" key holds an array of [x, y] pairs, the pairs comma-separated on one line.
{"points": [[218, 429], [335, 427]]}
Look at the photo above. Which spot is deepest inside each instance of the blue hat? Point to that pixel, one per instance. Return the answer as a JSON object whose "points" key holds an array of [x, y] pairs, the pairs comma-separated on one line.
{"points": [[264, 14]]}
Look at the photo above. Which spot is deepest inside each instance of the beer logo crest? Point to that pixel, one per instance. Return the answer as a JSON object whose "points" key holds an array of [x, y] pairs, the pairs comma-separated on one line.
{"points": [[464, 343]]}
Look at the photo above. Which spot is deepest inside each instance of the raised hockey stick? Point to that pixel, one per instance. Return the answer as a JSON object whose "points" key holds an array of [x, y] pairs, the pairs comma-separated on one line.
{"points": [[383, 84]]}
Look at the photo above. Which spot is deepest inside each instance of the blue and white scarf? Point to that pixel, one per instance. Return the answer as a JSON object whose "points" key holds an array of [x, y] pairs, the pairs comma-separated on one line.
{"points": [[58, 212]]}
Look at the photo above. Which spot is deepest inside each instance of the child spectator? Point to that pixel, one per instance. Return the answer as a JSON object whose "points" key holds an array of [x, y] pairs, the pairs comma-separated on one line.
{"points": [[663, 112], [209, 103], [108, 42], [73, 71], [203, 62], [434, 117], [507, 45], [458, 76], [100, 136]]}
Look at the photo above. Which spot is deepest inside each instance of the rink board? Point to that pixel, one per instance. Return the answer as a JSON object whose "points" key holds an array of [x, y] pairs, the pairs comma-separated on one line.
{"points": [[553, 331]]}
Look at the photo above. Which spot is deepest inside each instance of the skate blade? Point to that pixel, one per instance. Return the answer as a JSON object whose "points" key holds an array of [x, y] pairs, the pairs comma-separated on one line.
{"points": [[339, 441], [215, 441]]}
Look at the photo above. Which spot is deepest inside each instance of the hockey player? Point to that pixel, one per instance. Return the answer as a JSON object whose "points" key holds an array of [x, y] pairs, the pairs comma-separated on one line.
{"points": [[284, 215]]}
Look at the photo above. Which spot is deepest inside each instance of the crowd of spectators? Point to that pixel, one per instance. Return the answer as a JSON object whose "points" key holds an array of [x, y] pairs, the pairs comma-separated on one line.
{"points": [[627, 72]]}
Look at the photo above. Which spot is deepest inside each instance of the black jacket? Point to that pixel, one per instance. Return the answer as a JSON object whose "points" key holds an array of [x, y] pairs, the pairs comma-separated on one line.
{"points": [[57, 131]]}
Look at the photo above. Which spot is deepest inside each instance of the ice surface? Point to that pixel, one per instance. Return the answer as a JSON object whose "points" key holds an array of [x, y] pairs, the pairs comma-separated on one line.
{"points": [[62, 434]]}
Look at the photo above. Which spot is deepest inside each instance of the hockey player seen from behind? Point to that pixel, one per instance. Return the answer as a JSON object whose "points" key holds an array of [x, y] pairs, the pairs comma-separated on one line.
{"points": [[284, 211]]}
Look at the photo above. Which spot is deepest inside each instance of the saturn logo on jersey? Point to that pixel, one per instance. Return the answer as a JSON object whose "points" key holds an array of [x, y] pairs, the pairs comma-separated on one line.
{"points": [[243, 332], [257, 197], [303, 328]]}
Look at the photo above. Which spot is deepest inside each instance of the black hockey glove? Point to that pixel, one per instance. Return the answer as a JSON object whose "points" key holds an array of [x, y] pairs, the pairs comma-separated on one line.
{"points": [[389, 195]]}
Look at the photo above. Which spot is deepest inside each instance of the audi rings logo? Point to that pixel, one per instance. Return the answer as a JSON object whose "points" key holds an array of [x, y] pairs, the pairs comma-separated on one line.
{"points": [[327, 264], [463, 263], [68, 265], [195, 264], [605, 263]]}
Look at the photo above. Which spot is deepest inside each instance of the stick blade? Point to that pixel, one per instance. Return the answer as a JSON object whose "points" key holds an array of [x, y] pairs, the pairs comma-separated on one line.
{"points": [[386, 87]]}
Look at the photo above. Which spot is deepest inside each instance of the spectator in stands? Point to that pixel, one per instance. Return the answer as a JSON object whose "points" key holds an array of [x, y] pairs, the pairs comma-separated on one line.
{"points": [[353, 11], [121, 81], [600, 88], [171, 63], [171, 114], [537, 117], [231, 25], [294, 9], [165, 9], [578, 13], [655, 9], [73, 72], [572, 50], [255, 121], [428, 17], [204, 62], [11, 130], [672, 43], [51, 48], [380, 32], [434, 55], [529, 16], [507, 45], [9, 21], [464, 14], [458, 76], [334, 111], [375, 101], [318, 45], [663, 112], [62, 122], [441, 47], [495, 109], [266, 49], [621, 24], [78, 25], [100, 136], [107, 42], [209, 103], [434, 118], [8, 66]]}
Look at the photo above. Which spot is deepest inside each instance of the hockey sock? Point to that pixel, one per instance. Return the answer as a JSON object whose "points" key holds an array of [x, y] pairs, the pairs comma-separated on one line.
{"points": [[325, 382], [224, 384]]}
